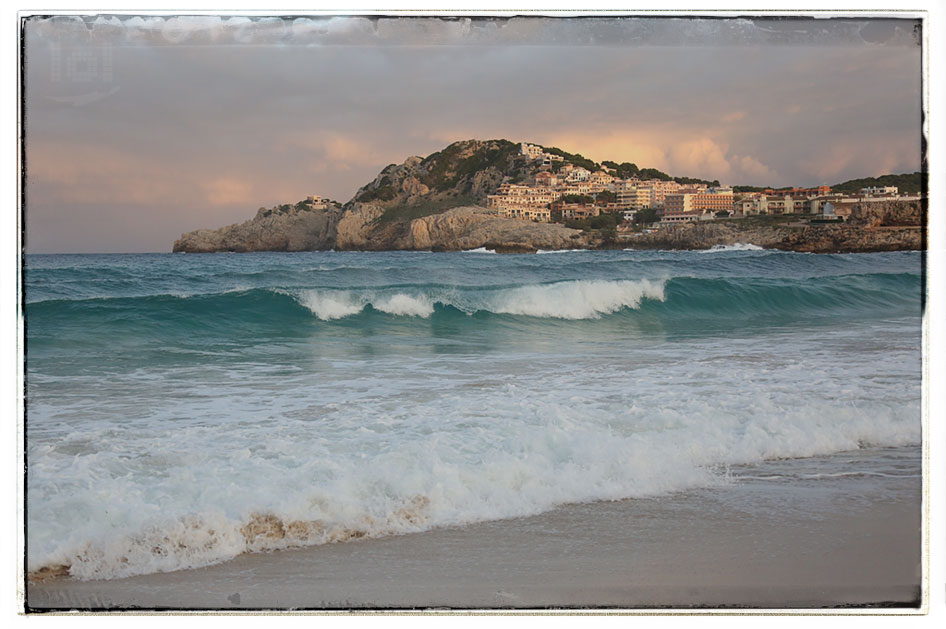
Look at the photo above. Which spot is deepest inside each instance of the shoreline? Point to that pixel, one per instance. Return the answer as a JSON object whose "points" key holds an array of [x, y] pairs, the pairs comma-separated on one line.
{"points": [[838, 541]]}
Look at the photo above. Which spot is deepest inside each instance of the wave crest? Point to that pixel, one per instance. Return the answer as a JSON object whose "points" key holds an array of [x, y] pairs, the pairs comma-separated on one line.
{"points": [[578, 299], [582, 299], [738, 246]]}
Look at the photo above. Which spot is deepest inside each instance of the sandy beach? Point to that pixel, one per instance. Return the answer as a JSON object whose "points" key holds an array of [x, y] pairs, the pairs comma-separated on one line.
{"points": [[758, 542]]}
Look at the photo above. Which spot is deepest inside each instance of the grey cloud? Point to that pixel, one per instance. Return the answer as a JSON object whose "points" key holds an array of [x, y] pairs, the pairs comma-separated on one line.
{"points": [[318, 106]]}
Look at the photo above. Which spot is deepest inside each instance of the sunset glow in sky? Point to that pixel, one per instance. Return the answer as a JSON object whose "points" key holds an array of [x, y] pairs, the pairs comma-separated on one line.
{"points": [[139, 129]]}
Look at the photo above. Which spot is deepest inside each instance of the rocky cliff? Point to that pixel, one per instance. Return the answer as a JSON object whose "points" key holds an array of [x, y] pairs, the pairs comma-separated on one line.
{"points": [[462, 173], [474, 227], [810, 238], [434, 202], [270, 230]]}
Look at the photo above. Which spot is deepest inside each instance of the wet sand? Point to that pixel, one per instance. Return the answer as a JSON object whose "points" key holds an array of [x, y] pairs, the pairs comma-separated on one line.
{"points": [[756, 543]]}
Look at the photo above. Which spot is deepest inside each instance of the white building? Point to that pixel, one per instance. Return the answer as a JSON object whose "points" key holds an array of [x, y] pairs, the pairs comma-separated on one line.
{"points": [[531, 150], [578, 174], [880, 190], [316, 202]]}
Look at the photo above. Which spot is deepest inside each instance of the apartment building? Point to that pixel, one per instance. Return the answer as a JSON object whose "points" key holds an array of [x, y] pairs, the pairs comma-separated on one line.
{"points": [[546, 179], [634, 198], [660, 189], [571, 211], [578, 174], [710, 200], [538, 214], [800, 193]]}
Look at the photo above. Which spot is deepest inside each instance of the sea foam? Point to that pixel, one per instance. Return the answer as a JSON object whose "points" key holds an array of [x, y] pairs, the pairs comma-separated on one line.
{"points": [[581, 299], [739, 246], [169, 433]]}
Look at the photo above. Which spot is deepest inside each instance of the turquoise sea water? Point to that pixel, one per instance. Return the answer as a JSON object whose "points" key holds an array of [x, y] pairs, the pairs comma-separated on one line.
{"points": [[183, 409]]}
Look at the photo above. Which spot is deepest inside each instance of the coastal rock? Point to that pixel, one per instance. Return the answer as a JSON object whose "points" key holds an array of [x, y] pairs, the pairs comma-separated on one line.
{"points": [[841, 238], [354, 230], [887, 214], [292, 230], [475, 227]]}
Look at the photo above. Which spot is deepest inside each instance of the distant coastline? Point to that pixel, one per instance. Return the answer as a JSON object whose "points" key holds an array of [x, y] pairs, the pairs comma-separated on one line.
{"points": [[520, 198]]}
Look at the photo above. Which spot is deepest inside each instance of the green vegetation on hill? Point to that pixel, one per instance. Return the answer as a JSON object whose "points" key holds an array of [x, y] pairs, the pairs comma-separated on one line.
{"points": [[606, 223], [907, 182], [693, 180], [573, 158], [576, 198], [624, 170], [445, 169], [646, 216], [381, 193], [606, 196], [420, 210]]}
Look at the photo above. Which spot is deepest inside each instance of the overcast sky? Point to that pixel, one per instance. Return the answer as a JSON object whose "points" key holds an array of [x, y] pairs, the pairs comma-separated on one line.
{"points": [[141, 129]]}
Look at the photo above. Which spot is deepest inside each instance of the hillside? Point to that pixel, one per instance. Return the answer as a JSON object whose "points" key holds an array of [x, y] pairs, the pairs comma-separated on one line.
{"points": [[433, 203], [907, 182]]}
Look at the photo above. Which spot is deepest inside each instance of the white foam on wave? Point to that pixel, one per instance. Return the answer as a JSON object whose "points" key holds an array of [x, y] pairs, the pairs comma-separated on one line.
{"points": [[739, 246], [328, 305], [479, 250], [580, 299], [376, 448], [405, 305]]}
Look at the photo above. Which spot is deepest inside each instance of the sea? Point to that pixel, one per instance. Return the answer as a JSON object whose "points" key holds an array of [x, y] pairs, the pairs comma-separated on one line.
{"points": [[184, 409]]}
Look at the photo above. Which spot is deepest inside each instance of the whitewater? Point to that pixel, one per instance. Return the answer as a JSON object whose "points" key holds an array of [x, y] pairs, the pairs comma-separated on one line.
{"points": [[184, 409]]}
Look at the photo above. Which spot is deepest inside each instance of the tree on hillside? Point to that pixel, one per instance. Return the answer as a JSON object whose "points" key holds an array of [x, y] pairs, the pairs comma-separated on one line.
{"points": [[606, 196], [577, 198], [646, 216], [907, 182]]}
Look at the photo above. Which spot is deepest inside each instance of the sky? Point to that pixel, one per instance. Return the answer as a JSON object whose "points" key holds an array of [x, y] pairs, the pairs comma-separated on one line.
{"points": [[141, 128]]}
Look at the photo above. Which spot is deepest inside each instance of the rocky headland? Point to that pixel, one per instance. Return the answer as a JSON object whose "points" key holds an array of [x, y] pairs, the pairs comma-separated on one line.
{"points": [[436, 203]]}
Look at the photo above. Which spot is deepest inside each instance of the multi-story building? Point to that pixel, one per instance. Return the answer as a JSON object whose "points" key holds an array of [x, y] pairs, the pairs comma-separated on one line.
{"points": [[873, 190], [634, 198], [571, 211], [577, 187], [707, 201], [674, 216], [601, 178], [578, 174], [538, 214], [519, 201], [545, 179], [773, 204], [531, 150], [800, 193], [660, 189]]}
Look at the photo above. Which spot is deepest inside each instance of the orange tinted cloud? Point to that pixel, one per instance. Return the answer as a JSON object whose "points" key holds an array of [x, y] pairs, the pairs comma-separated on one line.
{"points": [[227, 191]]}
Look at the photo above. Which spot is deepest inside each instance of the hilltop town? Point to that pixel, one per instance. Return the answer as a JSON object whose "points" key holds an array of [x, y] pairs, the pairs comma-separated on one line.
{"points": [[523, 197], [561, 192]]}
